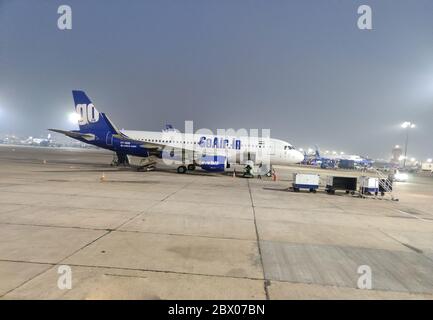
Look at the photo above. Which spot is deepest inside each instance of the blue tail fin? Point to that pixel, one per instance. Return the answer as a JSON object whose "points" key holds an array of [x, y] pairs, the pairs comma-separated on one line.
{"points": [[317, 151], [91, 120]]}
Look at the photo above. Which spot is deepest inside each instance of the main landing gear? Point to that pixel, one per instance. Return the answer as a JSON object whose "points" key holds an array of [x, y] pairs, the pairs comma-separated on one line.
{"points": [[181, 169], [184, 169], [119, 159]]}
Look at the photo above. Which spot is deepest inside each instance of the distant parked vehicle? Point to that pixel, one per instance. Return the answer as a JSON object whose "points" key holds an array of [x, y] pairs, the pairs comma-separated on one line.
{"points": [[401, 176], [427, 166]]}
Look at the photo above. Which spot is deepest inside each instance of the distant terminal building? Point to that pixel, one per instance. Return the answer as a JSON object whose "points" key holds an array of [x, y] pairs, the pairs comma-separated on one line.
{"points": [[397, 152]]}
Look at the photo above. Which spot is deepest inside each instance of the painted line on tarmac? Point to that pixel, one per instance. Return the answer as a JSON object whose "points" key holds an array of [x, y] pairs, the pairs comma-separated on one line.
{"points": [[414, 216]]}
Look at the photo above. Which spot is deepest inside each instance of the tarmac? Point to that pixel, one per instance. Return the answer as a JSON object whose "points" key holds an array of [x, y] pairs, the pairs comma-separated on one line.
{"points": [[162, 235]]}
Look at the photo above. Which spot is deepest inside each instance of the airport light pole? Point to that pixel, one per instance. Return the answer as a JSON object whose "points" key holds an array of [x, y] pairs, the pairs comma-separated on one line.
{"points": [[406, 125]]}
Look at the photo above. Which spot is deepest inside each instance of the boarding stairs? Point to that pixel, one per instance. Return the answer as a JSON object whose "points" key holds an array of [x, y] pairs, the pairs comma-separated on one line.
{"points": [[386, 184]]}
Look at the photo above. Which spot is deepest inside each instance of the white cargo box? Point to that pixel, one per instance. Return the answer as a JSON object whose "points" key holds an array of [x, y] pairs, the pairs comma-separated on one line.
{"points": [[369, 184], [306, 181]]}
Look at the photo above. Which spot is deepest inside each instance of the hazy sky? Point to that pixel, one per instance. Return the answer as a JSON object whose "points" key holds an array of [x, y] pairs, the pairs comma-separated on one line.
{"points": [[301, 68]]}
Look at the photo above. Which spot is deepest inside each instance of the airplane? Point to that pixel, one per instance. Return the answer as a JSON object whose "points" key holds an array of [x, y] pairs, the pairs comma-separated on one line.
{"points": [[331, 160], [43, 142], [187, 151]]}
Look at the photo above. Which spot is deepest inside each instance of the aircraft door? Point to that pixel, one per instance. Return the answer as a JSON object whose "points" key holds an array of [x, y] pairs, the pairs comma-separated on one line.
{"points": [[109, 139], [249, 156], [272, 149]]}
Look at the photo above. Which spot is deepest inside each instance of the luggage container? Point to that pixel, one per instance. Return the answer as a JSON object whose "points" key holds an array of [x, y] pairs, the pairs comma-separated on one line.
{"points": [[369, 185], [305, 181], [348, 184]]}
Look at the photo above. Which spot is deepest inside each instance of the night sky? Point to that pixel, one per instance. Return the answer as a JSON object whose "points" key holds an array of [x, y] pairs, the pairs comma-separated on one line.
{"points": [[300, 68]]}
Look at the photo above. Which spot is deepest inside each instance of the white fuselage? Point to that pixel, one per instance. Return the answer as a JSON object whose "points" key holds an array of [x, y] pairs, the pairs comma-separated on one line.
{"points": [[355, 158], [237, 149]]}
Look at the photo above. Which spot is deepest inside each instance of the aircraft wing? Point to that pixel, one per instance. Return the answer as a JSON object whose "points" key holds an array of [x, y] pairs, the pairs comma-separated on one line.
{"points": [[144, 144], [157, 145]]}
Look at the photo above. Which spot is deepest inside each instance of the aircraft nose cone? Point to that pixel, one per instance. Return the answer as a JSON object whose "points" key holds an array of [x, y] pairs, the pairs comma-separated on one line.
{"points": [[299, 157]]}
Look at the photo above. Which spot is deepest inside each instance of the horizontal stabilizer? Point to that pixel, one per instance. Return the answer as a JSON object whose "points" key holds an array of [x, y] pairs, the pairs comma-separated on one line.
{"points": [[75, 134]]}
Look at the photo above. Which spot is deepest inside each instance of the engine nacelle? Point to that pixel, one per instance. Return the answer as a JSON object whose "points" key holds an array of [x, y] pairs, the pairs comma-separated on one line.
{"points": [[213, 163]]}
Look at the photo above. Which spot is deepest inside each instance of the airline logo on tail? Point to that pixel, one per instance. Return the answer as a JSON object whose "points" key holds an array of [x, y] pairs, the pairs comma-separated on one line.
{"points": [[87, 114]]}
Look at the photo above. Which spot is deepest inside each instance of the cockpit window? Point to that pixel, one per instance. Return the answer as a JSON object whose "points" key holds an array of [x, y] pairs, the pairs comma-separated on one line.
{"points": [[289, 148]]}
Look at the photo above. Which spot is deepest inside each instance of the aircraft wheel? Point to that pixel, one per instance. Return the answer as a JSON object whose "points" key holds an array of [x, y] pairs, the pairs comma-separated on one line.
{"points": [[191, 167], [181, 169]]}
